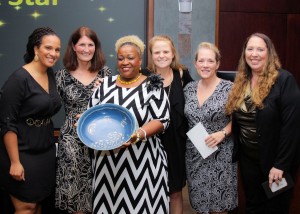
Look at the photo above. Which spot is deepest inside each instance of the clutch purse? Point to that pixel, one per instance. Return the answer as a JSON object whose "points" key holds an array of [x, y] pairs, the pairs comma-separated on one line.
{"points": [[285, 184]]}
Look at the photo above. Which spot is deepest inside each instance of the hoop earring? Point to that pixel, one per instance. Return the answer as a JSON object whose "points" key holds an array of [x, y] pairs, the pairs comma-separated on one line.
{"points": [[36, 58]]}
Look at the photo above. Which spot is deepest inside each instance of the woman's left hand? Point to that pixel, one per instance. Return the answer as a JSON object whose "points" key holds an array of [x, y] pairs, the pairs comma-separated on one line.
{"points": [[214, 139], [98, 83], [275, 175]]}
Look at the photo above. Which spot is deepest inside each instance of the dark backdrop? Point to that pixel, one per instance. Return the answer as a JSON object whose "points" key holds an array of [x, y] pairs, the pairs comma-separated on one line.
{"points": [[110, 19]]}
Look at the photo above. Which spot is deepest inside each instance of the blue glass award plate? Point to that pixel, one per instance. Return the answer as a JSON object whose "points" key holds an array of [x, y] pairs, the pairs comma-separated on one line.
{"points": [[106, 126]]}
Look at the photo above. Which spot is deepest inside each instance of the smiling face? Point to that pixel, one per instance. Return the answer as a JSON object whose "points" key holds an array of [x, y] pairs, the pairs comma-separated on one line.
{"points": [[206, 63], [129, 62], [49, 50], [162, 54], [84, 49], [256, 54]]}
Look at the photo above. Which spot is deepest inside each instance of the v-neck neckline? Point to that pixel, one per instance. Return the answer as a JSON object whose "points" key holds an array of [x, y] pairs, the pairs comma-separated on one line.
{"points": [[205, 101], [34, 80], [79, 82]]}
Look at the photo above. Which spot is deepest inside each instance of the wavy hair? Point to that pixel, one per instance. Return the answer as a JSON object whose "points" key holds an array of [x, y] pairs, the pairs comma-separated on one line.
{"points": [[175, 65], [70, 58], [265, 81]]}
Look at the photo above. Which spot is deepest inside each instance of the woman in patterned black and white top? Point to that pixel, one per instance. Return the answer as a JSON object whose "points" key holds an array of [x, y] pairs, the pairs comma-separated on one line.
{"points": [[133, 178], [212, 181]]}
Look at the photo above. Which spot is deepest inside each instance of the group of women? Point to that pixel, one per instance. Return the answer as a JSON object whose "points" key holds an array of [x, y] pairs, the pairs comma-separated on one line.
{"points": [[253, 120]]}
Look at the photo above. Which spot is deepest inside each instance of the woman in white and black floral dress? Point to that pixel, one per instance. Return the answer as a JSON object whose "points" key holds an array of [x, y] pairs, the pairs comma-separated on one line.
{"points": [[84, 65]]}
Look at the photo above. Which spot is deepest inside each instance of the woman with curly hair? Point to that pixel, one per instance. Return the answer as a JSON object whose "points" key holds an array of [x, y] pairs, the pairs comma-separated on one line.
{"points": [[264, 104]]}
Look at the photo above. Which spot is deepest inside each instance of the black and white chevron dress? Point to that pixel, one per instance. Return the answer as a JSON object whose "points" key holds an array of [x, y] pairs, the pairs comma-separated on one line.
{"points": [[134, 179]]}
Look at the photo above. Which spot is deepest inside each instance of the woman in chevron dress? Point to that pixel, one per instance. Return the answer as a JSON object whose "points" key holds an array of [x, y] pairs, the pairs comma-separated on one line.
{"points": [[133, 178]]}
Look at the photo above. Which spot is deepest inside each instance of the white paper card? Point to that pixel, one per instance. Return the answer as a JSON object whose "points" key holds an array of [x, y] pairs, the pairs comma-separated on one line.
{"points": [[197, 135], [281, 184]]}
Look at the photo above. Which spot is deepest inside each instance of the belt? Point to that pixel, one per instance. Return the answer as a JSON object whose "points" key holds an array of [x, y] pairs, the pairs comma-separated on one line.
{"points": [[37, 122]]}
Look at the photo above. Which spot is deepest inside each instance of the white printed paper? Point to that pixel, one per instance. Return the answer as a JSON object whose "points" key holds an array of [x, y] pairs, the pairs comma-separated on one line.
{"points": [[197, 135]]}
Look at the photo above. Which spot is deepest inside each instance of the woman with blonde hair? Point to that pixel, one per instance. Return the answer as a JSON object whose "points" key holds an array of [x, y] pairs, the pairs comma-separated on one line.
{"points": [[212, 181], [264, 103], [165, 62]]}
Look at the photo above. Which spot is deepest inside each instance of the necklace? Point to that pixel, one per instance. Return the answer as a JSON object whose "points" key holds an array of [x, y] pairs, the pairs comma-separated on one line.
{"points": [[129, 82]]}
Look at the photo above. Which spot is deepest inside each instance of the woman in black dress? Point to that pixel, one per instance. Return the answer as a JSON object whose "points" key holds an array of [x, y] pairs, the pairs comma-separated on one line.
{"points": [[28, 101]]}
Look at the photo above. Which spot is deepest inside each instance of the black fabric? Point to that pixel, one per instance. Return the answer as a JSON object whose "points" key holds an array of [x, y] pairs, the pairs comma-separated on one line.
{"points": [[174, 137], [256, 198], [24, 98], [277, 127]]}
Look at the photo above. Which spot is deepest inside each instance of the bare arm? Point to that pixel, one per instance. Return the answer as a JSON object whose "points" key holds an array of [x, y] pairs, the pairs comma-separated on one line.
{"points": [[11, 144]]}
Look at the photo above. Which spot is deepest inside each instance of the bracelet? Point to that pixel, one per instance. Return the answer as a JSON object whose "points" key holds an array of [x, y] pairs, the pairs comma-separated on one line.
{"points": [[145, 134], [224, 132], [138, 137]]}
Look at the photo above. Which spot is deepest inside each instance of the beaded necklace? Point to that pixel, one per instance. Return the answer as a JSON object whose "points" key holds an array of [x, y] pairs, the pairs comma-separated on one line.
{"points": [[129, 82]]}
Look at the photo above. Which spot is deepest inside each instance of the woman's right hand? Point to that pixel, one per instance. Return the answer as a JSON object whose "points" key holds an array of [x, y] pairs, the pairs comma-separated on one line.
{"points": [[17, 171], [214, 139]]}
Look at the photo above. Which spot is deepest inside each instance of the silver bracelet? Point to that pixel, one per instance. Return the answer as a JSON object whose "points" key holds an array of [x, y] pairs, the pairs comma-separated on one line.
{"points": [[145, 134]]}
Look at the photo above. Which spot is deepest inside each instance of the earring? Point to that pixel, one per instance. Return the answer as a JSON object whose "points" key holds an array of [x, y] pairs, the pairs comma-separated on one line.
{"points": [[36, 58]]}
